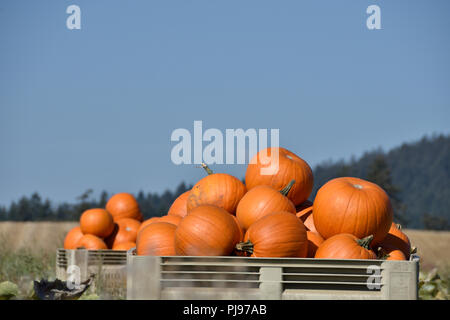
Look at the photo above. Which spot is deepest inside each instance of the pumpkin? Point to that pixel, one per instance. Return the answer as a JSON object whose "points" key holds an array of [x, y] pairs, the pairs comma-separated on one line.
{"points": [[72, 237], [124, 246], [393, 254], [309, 224], [396, 239], [217, 189], [157, 239], [125, 231], [345, 246], [304, 213], [261, 201], [179, 206], [279, 234], [314, 241], [91, 242], [289, 167], [97, 222], [207, 231], [147, 222], [241, 229], [123, 205], [352, 205], [170, 219]]}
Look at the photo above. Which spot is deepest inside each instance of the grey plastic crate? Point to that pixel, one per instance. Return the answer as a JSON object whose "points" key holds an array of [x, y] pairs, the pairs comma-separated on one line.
{"points": [[235, 278], [110, 267]]}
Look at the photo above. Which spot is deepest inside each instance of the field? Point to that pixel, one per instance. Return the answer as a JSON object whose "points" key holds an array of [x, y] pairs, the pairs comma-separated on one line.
{"points": [[27, 250]]}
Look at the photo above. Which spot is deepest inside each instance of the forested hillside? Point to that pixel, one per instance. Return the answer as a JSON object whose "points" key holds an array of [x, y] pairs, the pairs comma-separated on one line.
{"points": [[420, 179], [415, 175]]}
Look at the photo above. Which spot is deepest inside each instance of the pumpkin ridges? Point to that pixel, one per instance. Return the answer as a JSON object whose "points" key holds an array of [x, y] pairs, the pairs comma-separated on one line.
{"points": [[218, 189], [259, 202], [352, 205], [206, 230], [290, 166], [279, 234]]}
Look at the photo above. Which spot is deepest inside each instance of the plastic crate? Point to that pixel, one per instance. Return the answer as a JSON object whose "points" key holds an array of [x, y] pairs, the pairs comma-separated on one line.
{"points": [[235, 278], [109, 266]]}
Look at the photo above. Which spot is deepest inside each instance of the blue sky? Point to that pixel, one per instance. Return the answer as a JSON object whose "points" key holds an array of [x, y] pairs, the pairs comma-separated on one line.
{"points": [[95, 108]]}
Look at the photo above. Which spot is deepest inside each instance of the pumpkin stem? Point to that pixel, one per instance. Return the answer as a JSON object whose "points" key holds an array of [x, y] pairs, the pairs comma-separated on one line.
{"points": [[286, 189], [207, 169], [246, 246], [365, 242]]}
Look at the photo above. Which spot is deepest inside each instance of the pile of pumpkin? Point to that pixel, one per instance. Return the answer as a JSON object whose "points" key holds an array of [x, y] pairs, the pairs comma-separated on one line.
{"points": [[268, 216]]}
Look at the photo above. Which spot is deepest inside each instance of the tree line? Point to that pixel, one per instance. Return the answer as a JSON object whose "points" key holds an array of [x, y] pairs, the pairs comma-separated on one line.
{"points": [[415, 176]]}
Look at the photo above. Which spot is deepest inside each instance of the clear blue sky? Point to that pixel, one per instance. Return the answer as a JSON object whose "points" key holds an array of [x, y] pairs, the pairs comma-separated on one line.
{"points": [[95, 108]]}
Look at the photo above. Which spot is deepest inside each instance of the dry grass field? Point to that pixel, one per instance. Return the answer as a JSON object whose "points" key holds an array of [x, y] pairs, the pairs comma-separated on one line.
{"points": [[37, 236]]}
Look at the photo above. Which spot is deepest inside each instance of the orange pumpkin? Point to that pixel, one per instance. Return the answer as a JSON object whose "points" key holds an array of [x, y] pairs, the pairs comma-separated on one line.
{"points": [[218, 189], [352, 205], [179, 206], [261, 201], [125, 231], [290, 167], [97, 222], [394, 254], [72, 237], [157, 239], [147, 222], [206, 231], [304, 213], [241, 229], [91, 242], [124, 246], [123, 205], [396, 239], [173, 219], [314, 241], [345, 246], [279, 234]]}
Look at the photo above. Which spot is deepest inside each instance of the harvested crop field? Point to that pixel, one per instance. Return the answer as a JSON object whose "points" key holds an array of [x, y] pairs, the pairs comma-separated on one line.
{"points": [[46, 236]]}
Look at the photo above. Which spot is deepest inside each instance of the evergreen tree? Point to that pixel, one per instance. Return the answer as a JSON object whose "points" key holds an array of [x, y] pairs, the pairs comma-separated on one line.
{"points": [[103, 199], [380, 174]]}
